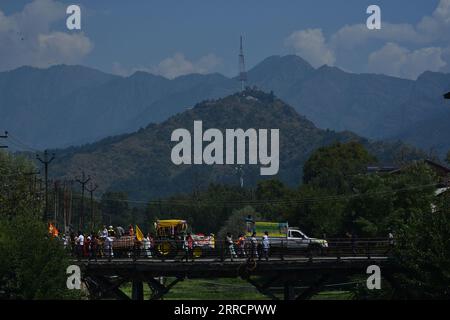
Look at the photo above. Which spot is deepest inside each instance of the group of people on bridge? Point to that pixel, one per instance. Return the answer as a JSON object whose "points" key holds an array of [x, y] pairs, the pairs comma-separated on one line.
{"points": [[243, 247], [95, 245], [100, 245]]}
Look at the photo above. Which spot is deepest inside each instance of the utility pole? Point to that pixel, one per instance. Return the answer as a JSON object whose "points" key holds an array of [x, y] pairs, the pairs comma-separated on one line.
{"points": [[46, 161], [67, 205], [83, 181], [56, 203], [5, 136], [91, 190]]}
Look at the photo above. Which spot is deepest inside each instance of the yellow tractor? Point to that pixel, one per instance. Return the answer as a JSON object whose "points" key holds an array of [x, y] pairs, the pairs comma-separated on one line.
{"points": [[169, 237], [169, 240]]}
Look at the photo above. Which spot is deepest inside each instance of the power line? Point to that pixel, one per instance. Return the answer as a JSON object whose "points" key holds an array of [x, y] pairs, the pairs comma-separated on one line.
{"points": [[195, 202], [16, 146], [19, 143]]}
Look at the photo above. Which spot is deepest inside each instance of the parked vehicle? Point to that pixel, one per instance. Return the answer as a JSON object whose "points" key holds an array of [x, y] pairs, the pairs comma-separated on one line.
{"points": [[170, 236], [282, 236]]}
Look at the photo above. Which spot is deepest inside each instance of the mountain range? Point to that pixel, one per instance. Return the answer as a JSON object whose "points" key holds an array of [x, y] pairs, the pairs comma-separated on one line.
{"points": [[71, 105], [140, 162]]}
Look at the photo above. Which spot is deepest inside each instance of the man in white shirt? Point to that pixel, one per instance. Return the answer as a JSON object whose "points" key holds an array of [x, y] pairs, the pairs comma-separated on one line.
{"points": [[254, 246], [104, 232], [80, 243], [266, 245], [109, 247], [81, 239]]}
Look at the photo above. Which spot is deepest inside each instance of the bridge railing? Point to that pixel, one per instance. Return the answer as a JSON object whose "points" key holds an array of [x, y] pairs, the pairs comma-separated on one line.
{"points": [[278, 249]]}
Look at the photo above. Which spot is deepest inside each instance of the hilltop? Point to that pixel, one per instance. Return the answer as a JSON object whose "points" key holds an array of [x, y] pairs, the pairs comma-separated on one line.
{"points": [[140, 162]]}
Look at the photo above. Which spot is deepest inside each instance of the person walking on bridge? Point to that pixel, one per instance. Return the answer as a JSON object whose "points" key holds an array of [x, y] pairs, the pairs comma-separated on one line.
{"points": [[391, 241], [87, 246], [241, 245], [104, 233], [254, 246], [266, 245], [230, 244], [120, 231], [109, 247], [188, 245], [79, 241], [147, 245]]}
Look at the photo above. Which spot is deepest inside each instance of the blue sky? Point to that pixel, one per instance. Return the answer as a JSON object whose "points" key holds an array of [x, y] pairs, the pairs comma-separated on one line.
{"points": [[176, 37]]}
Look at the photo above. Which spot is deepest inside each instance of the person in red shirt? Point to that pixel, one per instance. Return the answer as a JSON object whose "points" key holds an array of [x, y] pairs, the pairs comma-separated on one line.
{"points": [[241, 245], [188, 246], [86, 247]]}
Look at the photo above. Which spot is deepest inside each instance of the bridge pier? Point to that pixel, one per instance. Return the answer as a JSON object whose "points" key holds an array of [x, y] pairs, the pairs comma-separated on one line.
{"points": [[314, 288], [101, 287], [137, 290], [159, 290], [289, 291]]}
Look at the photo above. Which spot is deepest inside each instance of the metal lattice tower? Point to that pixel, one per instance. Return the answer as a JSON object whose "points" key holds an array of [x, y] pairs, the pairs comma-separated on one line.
{"points": [[242, 72]]}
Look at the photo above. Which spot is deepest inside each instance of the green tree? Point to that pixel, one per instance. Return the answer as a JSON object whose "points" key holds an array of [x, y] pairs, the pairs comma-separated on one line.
{"points": [[319, 213], [332, 167], [18, 193], [32, 264], [423, 255], [273, 195], [385, 202], [271, 189], [320, 205]]}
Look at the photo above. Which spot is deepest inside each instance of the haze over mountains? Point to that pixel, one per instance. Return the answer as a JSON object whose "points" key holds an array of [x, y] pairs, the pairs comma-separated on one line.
{"points": [[70, 105]]}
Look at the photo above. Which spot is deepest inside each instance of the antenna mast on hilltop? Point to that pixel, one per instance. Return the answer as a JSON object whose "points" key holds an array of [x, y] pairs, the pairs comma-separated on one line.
{"points": [[242, 72]]}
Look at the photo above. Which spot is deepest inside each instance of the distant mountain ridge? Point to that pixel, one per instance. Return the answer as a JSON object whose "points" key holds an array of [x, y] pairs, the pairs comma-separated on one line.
{"points": [[71, 105]]}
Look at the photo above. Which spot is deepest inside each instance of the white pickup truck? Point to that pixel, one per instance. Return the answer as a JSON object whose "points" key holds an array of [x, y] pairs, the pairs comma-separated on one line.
{"points": [[297, 239], [283, 236]]}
